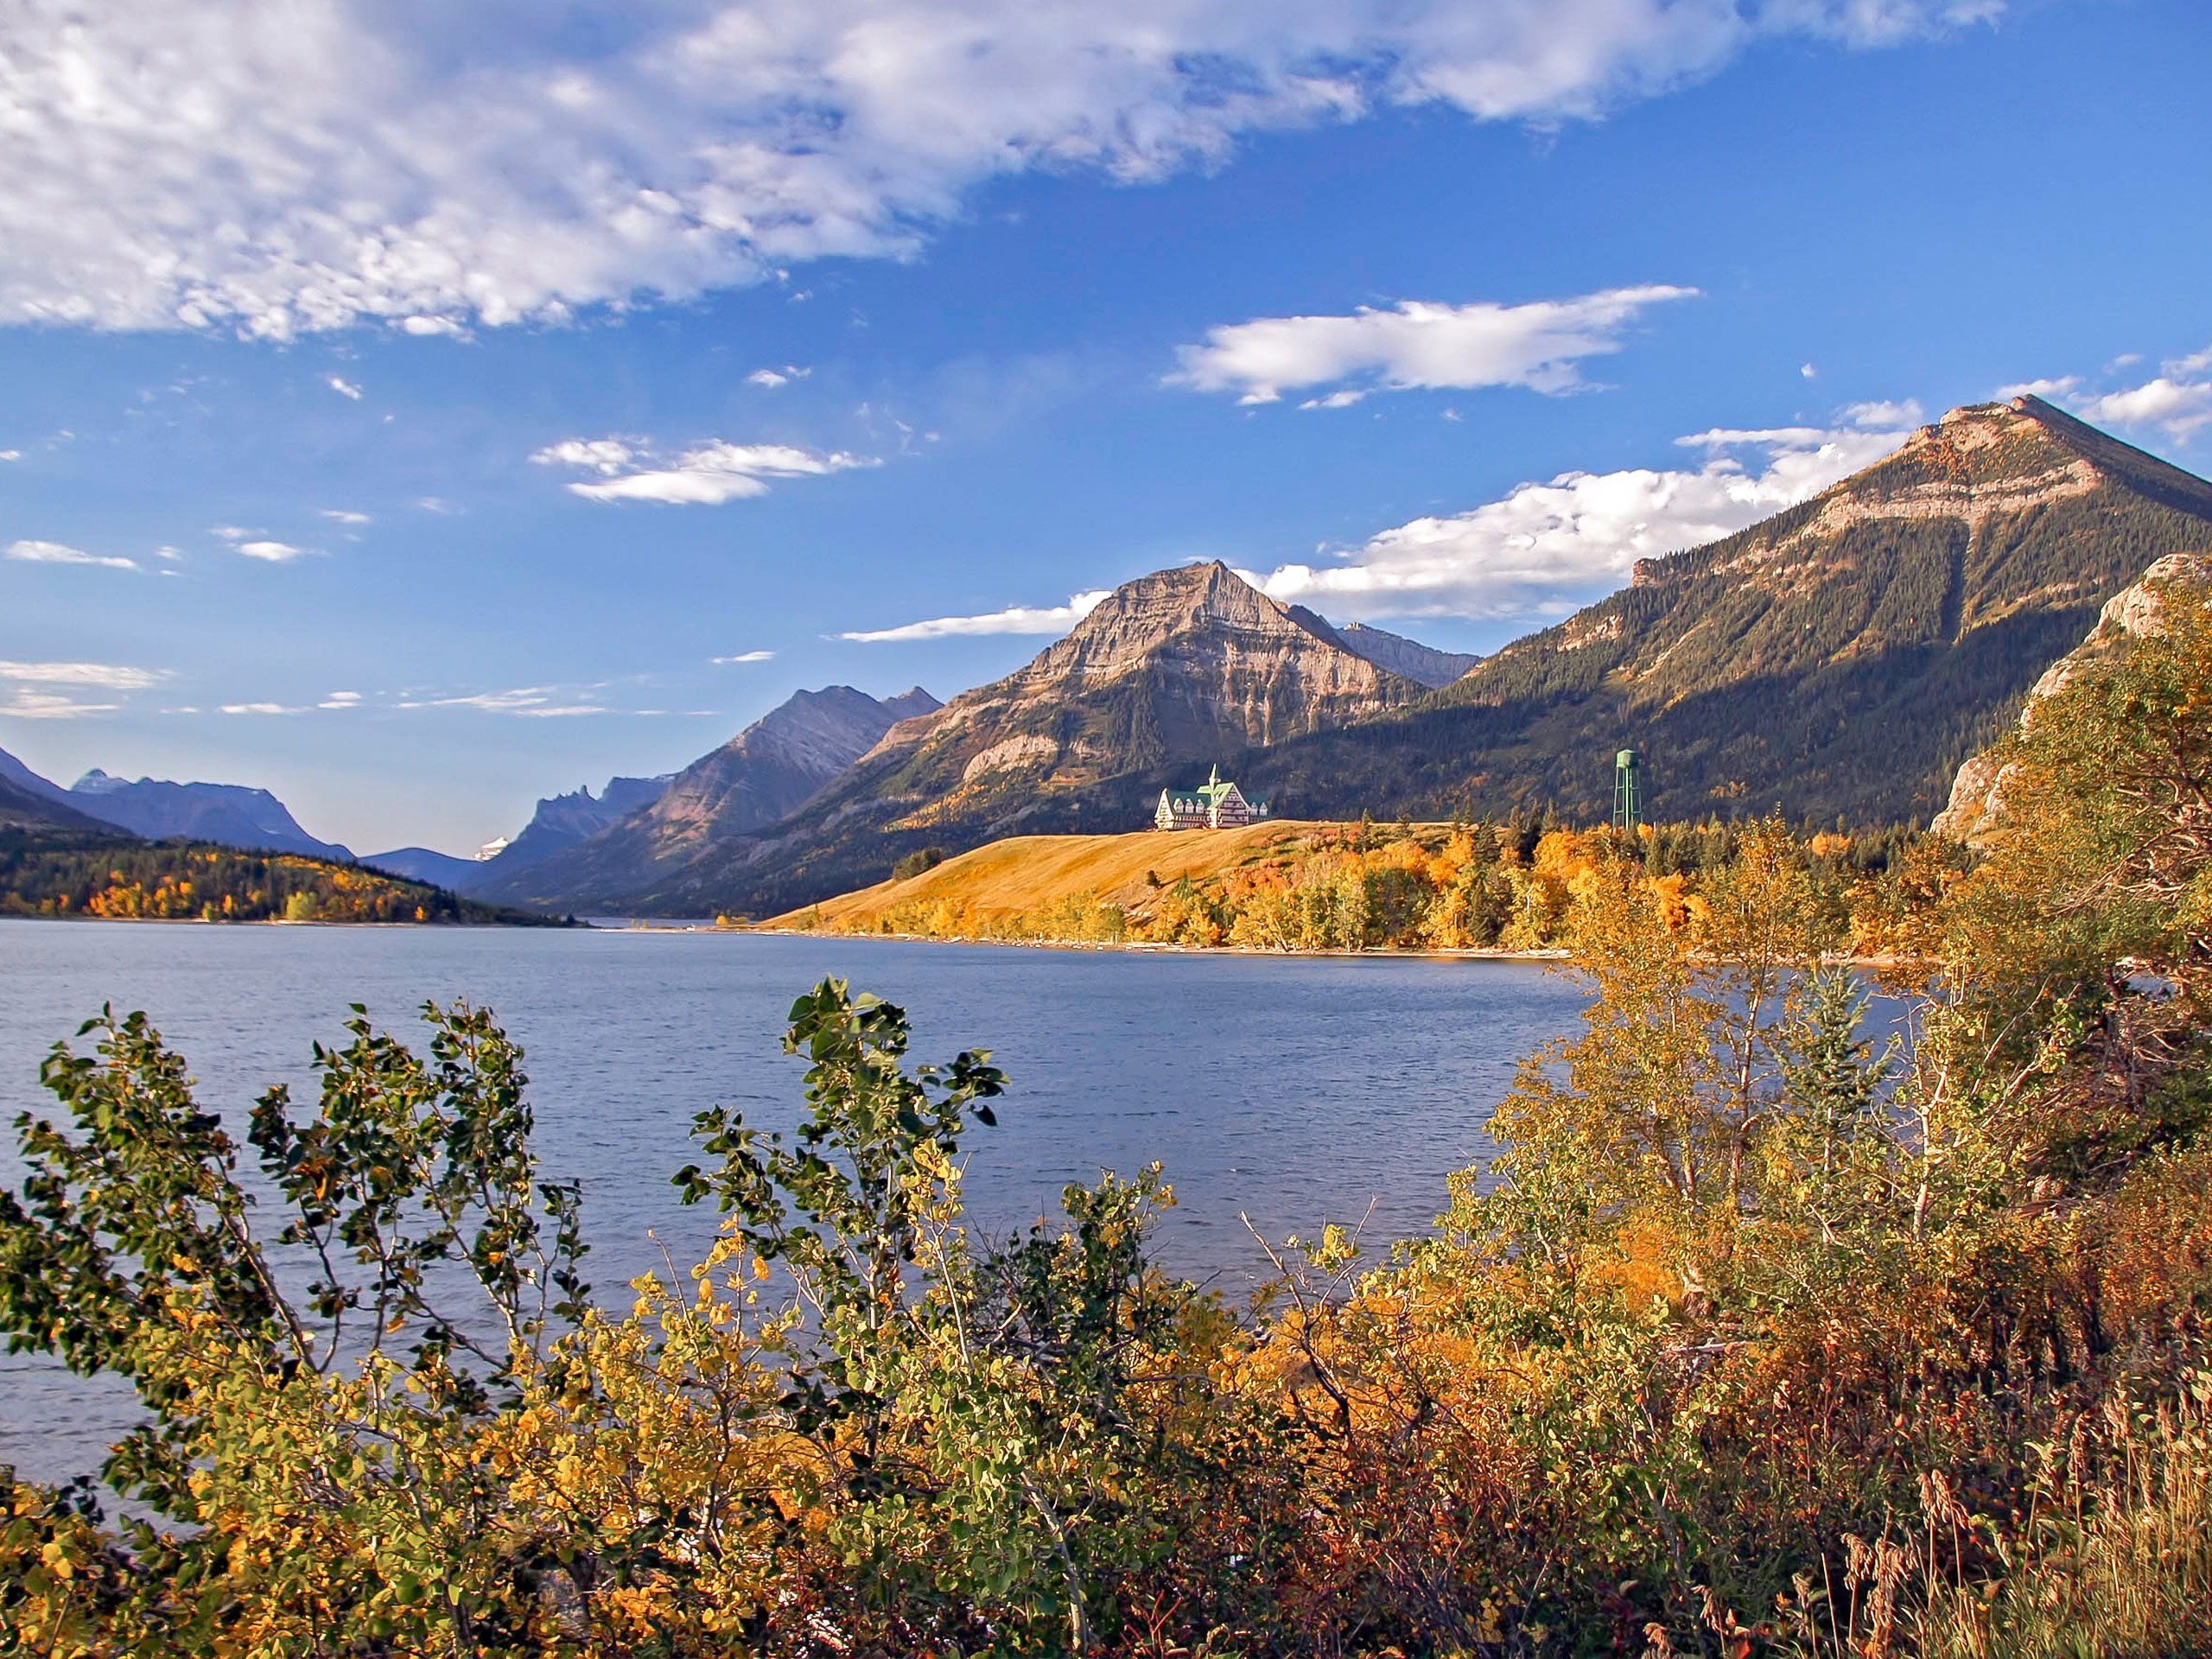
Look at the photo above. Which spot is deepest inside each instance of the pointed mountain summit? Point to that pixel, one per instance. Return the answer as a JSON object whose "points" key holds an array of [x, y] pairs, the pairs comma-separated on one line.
{"points": [[1842, 656], [766, 772]]}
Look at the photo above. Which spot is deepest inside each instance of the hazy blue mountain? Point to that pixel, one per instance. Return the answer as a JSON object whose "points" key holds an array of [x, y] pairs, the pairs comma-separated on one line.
{"points": [[561, 821], [764, 773], [1408, 657], [230, 815], [422, 864], [13, 771]]}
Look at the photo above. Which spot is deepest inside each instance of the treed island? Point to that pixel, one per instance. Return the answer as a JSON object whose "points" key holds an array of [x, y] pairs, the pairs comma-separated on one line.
{"points": [[1781, 1323]]}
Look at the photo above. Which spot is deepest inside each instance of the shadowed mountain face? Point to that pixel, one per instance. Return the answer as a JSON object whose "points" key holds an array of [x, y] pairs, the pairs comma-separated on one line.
{"points": [[766, 772], [422, 864], [230, 815], [1175, 668], [560, 822], [1840, 658]]}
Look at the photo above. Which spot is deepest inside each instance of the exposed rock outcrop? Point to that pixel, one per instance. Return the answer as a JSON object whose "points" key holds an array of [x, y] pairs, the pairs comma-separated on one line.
{"points": [[1975, 813]]}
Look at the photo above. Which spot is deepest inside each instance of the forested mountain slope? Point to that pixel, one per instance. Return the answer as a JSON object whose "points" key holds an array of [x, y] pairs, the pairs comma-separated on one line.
{"points": [[1842, 657]]}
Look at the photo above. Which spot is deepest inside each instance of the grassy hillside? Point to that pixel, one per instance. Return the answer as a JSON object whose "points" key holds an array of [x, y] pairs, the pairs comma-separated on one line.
{"points": [[107, 877], [1029, 873]]}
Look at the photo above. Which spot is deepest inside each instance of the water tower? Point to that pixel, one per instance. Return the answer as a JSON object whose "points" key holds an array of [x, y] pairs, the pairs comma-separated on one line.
{"points": [[1628, 791]]}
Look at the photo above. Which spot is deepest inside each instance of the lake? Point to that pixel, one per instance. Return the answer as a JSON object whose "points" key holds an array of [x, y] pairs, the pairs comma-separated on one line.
{"points": [[1295, 1090]]}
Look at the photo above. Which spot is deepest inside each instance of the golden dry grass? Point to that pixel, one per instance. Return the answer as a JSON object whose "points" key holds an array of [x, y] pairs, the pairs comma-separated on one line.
{"points": [[1024, 872]]}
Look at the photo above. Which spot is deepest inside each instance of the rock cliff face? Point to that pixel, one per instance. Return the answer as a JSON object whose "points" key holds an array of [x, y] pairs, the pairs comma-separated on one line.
{"points": [[1975, 812], [766, 772], [1840, 658]]}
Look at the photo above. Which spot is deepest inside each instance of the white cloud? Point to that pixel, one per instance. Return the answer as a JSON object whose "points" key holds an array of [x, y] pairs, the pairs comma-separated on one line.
{"points": [[532, 702], [744, 657], [25, 703], [2178, 406], [707, 474], [341, 700], [771, 378], [211, 163], [56, 553], [344, 388], [269, 552], [108, 676], [2172, 400], [339, 515], [264, 708], [11, 454], [1545, 547], [232, 532], [1417, 343], [168, 554], [1018, 619], [438, 504]]}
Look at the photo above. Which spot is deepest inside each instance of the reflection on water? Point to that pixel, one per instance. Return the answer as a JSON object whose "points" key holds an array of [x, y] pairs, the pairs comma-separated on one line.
{"points": [[1296, 1090]]}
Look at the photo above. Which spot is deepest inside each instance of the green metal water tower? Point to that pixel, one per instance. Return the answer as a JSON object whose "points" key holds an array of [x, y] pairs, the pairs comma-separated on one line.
{"points": [[1628, 791]]}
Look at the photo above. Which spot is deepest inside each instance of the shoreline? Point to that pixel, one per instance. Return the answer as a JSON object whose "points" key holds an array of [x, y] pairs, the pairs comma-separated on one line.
{"points": [[1141, 947]]}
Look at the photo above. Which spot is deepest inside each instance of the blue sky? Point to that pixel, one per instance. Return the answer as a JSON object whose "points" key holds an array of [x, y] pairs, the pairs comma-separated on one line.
{"points": [[417, 414]]}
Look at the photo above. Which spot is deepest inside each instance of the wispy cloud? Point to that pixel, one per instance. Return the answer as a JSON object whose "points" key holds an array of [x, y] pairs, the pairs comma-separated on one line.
{"points": [[169, 168], [530, 701], [706, 474], [771, 378], [264, 708], [257, 544], [108, 676], [339, 515], [1417, 344], [344, 388], [56, 553], [1015, 619], [744, 657], [11, 454], [29, 702], [341, 700]]}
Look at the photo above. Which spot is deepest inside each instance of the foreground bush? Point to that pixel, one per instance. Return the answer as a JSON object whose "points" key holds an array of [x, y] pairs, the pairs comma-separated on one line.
{"points": [[1763, 1334]]}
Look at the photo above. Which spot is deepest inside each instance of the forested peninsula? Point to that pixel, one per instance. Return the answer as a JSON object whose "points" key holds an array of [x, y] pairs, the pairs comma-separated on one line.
{"points": [[66, 873]]}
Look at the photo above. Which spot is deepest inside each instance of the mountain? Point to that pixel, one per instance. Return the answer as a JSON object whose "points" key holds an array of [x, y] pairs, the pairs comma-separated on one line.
{"points": [[1408, 657], [1976, 808], [24, 809], [422, 864], [1841, 658], [1179, 667], [764, 773], [21, 778], [562, 820], [229, 814]]}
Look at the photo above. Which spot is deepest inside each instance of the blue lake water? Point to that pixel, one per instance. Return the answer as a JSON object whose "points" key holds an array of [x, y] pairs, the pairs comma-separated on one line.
{"points": [[1295, 1091]]}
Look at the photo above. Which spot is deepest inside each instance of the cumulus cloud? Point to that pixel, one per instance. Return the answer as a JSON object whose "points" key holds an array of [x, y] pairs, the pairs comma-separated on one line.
{"points": [[269, 552], [744, 657], [343, 387], [211, 163], [11, 454], [1016, 618], [707, 474], [1545, 547], [57, 553], [2178, 400], [771, 378], [1416, 344]]}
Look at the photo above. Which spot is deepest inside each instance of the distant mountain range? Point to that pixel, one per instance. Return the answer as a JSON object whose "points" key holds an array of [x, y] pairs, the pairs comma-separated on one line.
{"points": [[228, 815], [1840, 658], [767, 772]]}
